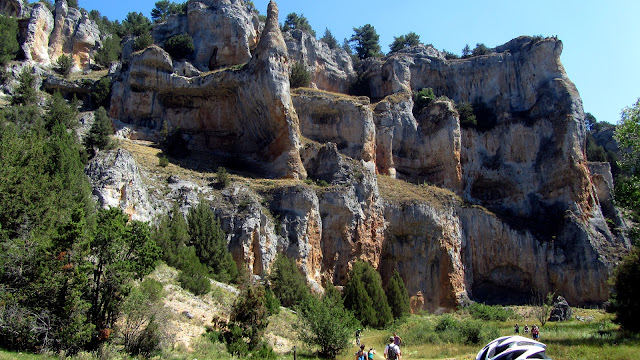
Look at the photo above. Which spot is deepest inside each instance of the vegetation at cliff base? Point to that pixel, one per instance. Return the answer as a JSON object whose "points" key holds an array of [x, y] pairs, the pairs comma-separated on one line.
{"points": [[8, 39]]}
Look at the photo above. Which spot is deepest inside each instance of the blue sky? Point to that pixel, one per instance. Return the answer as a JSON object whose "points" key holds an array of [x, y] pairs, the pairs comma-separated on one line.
{"points": [[601, 38]]}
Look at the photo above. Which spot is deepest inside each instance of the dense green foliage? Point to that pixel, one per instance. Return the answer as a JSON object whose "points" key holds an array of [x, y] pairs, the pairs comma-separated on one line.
{"points": [[329, 39], [143, 330], [25, 93], [326, 323], [248, 321], [397, 296], [625, 296], [300, 76], [210, 243], [363, 294], [293, 21], [449, 55], [64, 64], [404, 42], [164, 8], [490, 313], [98, 136], [467, 117], [448, 329], [480, 49], [367, 42], [136, 24], [8, 39], [101, 92], [287, 281], [179, 46], [143, 41], [422, 99], [65, 268], [110, 51], [466, 51], [222, 178]]}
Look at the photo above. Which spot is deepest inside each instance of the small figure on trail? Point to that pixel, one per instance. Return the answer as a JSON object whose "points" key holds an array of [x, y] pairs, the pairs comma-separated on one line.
{"points": [[392, 351], [397, 339], [358, 333], [371, 353], [526, 329], [535, 332], [361, 354], [516, 329]]}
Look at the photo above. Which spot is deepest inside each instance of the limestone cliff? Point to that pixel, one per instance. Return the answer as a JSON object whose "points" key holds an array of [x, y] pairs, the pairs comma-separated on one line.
{"points": [[67, 31], [224, 32], [511, 207], [330, 69], [245, 111]]}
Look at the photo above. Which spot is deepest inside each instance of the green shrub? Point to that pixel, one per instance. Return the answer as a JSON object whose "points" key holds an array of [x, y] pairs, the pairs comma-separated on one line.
{"points": [[98, 136], [397, 296], [287, 281], [109, 51], [422, 99], [300, 76], [194, 275], [101, 93], [490, 313], [179, 46], [480, 49], [363, 294], [272, 302], [64, 64], [26, 91], [8, 39], [143, 41], [467, 117], [222, 178], [163, 161]]}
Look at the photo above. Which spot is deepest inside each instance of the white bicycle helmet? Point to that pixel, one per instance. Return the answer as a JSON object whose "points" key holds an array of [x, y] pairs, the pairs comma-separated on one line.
{"points": [[513, 348]]}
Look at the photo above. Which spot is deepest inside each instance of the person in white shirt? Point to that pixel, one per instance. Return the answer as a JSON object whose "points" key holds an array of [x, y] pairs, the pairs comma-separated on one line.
{"points": [[392, 351]]}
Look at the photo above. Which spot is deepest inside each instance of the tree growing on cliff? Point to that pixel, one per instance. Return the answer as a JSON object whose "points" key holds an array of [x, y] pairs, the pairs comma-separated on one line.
{"points": [[98, 136], [480, 49], [25, 93], [110, 51], [367, 42], [397, 296], [179, 46], [363, 294], [329, 39], [404, 42], [300, 76], [164, 8], [210, 242], [8, 39], [136, 24], [293, 21]]}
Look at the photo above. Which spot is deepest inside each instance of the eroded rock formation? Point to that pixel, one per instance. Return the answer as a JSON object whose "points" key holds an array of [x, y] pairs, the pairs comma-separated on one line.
{"points": [[246, 111], [520, 214], [66, 31]]}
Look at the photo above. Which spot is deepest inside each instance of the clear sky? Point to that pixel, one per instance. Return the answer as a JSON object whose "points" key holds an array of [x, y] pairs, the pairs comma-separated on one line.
{"points": [[601, 38]]}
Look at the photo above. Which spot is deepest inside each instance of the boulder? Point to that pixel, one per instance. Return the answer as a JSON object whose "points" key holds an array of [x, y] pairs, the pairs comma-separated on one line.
{"points": [[560, 310]]}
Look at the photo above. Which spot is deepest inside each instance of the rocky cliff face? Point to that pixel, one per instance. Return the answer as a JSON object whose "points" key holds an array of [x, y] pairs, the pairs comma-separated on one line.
{"points": [[330, 69], [66, 31], [512, 208], [224, 32], [245, 111]]}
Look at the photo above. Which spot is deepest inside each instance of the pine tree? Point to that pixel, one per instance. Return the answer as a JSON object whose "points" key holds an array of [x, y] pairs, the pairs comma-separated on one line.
{"points": [[287, 282], [363, 294], [397, 296], [98, 136], [329, 39], [210, 243], [404, 42], [367, 41]]}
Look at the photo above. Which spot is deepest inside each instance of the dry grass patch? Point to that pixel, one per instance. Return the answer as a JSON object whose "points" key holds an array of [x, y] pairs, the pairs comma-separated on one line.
{"points": [[397, 191]]}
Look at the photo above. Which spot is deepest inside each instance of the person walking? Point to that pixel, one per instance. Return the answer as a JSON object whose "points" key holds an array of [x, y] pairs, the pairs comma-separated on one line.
{"points": [[535, 332], [358, 333], [392, 351], [397, 339], [516, 329], [361, 354], [371, 353]]}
